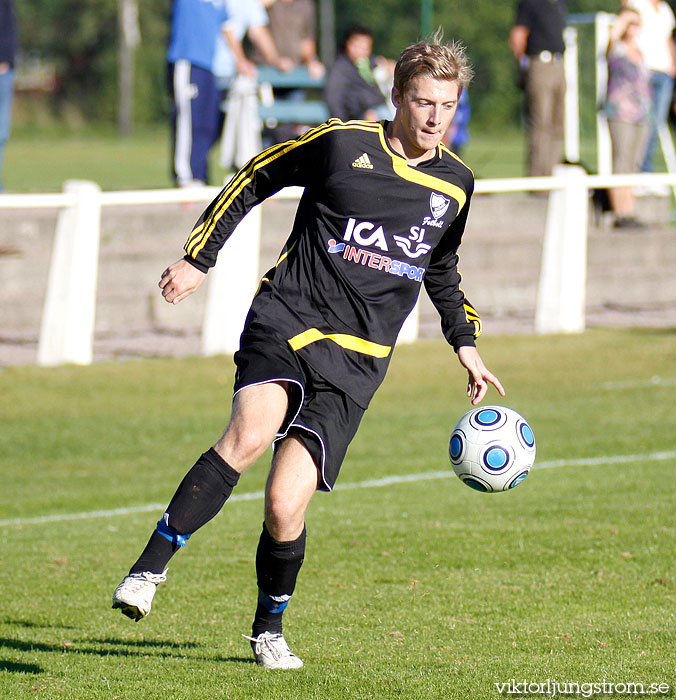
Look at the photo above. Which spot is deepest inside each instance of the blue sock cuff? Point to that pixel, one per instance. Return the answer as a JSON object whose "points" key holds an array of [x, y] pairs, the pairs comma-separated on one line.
{"points": [[273, 604], [168, 532]]}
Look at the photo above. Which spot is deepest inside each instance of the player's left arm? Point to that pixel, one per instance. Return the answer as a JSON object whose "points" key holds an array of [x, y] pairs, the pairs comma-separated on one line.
{"points": [[479, 375], [460, 322]]}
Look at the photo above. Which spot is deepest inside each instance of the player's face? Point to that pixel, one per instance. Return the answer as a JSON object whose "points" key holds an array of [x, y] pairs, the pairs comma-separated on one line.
{"points": [[424, 112]]}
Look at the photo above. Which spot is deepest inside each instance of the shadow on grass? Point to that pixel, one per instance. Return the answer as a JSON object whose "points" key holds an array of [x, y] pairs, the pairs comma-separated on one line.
{"points": [[31, 624], [140, 643], [15, 667], [113, 647]]}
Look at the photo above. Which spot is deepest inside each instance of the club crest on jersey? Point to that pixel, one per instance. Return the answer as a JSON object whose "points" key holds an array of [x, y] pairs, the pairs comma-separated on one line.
{"points": [[438, 204]]}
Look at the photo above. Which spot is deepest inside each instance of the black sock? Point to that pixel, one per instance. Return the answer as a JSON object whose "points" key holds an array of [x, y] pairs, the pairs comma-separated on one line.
{"points": [[277, 567], [199, 497], [155, 556]]}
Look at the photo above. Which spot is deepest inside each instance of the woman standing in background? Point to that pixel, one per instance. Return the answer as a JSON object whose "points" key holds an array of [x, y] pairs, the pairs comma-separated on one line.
{"points": [[627, 108]]}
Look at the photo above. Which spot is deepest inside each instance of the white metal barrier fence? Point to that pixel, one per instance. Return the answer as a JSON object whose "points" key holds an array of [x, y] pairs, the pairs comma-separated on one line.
{"points": [[67, 330]]}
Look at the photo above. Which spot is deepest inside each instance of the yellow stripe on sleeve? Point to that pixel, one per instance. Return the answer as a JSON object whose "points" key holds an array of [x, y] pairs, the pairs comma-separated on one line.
{"points": [[471, 316], [200, 234], [284, 255]]}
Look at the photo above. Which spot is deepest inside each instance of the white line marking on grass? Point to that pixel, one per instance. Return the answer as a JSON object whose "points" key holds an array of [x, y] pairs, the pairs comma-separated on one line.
{"points": [[373, 483], [641, 384], [594, 461]]}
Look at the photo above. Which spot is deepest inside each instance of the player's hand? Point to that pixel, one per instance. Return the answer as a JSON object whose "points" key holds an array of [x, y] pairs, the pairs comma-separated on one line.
{"points": [[180, 280], [479, 376]]}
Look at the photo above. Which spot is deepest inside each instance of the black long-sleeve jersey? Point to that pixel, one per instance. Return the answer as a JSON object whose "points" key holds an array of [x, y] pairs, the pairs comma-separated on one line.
{"points": [[369, 230]]}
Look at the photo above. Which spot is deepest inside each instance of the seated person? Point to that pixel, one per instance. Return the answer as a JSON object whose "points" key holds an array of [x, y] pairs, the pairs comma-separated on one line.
{"points": [[353, 85], [292, 25], [246, 19], [293, 29]]}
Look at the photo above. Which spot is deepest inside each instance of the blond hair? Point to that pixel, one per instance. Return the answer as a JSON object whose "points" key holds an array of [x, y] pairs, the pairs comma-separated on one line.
{"points": [[434, 59]]}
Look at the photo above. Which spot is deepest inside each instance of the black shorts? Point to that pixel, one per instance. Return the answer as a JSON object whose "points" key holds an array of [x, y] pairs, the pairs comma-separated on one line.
{"points": [[323, 417]]}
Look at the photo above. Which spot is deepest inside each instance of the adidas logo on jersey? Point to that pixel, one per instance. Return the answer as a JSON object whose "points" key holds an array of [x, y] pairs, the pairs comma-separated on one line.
{"points": [[363, 162]]}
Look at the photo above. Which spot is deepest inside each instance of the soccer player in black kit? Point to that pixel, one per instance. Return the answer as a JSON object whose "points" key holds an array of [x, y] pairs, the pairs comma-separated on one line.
{"points": [[383, 211]]}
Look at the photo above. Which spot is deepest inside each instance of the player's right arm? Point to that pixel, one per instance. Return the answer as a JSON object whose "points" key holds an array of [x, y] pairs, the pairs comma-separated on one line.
{"points": [[180, 280], [296, 162]]}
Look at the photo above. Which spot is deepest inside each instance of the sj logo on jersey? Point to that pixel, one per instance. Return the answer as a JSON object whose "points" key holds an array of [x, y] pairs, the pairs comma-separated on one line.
{"points": [[417, 233], [413, 246]]}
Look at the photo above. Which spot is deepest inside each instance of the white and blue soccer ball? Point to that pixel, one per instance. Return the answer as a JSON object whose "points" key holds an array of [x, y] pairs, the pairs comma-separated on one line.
{"points": [[492, 449]]}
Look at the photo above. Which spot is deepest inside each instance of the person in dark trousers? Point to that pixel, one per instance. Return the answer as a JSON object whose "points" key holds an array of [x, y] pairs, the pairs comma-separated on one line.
{"points": [[536, 40], [383, 212], [196, 26]]}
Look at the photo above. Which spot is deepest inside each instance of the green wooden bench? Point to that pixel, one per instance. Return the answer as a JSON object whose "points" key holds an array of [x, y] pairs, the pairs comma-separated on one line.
{"points": [[309, 110]]}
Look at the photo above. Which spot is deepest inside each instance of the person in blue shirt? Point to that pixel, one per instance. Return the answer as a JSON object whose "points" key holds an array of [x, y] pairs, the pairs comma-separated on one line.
{"points": [[457, 136], [250, 19], [8, 48], [195, 28]]}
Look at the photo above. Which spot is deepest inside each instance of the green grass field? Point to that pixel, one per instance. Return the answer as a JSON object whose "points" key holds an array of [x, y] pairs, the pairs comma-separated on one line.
{"points": [[41, 161], [411, 590]]}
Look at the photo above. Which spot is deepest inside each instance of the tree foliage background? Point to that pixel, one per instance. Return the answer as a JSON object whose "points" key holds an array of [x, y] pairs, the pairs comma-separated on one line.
{"points": [[80, 38]]}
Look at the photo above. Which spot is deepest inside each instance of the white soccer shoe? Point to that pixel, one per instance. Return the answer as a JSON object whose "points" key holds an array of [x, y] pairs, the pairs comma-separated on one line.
{"points": [[134, 596], [272, 651]]}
